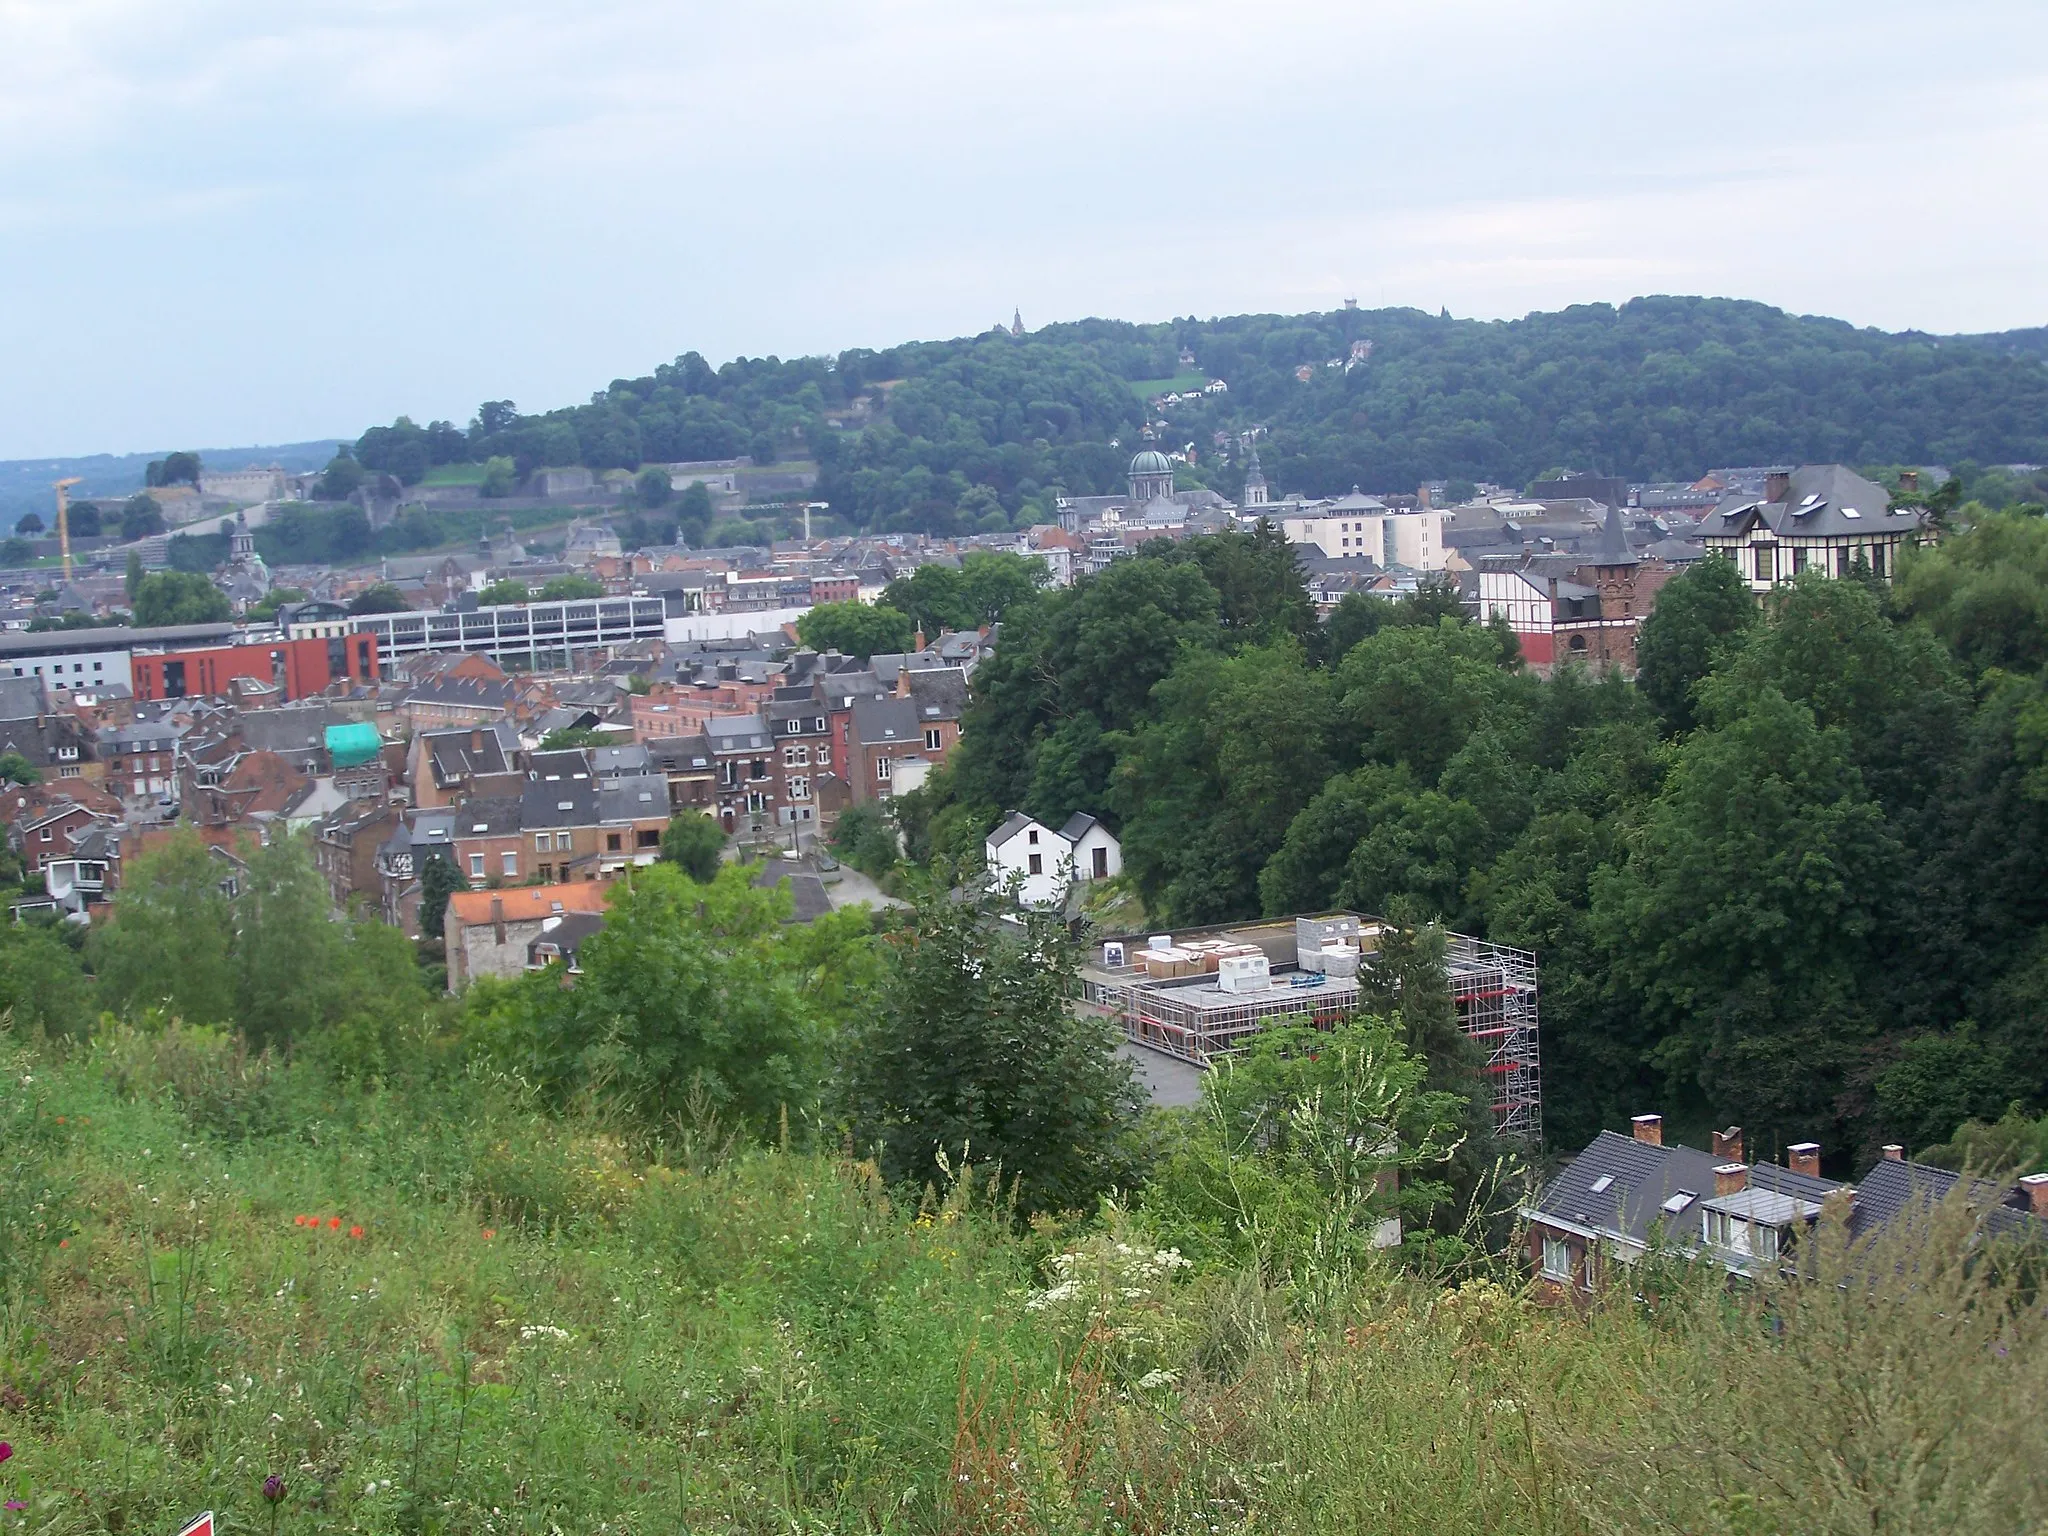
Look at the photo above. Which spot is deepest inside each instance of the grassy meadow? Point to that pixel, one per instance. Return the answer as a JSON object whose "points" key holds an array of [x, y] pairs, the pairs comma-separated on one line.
{"points": [[428, 1307]]}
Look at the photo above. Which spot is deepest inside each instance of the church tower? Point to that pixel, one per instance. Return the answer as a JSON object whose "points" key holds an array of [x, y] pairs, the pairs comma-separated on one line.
{"points": [[1254, 482], [1017, 322]]}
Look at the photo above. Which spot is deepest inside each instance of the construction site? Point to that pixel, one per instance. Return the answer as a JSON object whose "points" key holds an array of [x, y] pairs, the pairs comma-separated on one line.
{"points": [[1201, 993]]}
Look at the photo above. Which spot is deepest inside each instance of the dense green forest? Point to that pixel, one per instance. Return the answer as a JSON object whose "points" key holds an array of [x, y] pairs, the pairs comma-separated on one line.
{"points": [[1791, 878], [976, 432]]}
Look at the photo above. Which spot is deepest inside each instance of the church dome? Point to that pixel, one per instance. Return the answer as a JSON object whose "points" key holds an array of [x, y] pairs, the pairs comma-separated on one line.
{"points": [[1151, 462]]}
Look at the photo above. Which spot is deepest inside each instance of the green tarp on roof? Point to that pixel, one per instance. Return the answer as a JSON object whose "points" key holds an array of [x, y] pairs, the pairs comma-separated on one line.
{"points": [[352, 745]]}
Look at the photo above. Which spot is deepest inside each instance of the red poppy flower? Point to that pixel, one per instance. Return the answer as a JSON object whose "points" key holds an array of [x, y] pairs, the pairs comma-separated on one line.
{"points": [[355, 1231], [300, 1221], [489, 1234], [334, 1223]]}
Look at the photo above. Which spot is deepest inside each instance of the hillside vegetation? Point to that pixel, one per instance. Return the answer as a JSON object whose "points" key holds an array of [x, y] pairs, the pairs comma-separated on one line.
{"points": [[424, 1305], [915, 436]]}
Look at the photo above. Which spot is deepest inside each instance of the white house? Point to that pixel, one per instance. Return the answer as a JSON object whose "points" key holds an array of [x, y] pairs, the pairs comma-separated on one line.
{"points": [[1045, 865]]}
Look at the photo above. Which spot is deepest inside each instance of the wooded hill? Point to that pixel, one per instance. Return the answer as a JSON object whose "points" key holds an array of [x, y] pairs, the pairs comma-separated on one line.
{"points": [[1660, 388]]}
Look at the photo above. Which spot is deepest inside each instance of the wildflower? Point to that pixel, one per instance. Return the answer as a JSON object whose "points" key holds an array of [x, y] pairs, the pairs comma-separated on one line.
{"points": [[334, 1223], [300, 1221], [273, 1488], [6, 1450], [63, 1242], [355, 1232], [60, 1119], [14, 1504], [489, 1234]]}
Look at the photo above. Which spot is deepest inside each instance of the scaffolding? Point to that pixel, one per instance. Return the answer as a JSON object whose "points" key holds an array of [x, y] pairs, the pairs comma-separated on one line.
{"points": [[1493, 987]]}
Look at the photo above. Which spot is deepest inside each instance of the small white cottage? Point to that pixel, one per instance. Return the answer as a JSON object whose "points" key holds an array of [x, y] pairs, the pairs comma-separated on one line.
{"points": [[1044, 865]]}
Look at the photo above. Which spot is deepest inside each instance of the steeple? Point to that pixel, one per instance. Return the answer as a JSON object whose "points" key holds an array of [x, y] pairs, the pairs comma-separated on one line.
{"points": [[1614, 548], [1016, 322], [1254, 481]]}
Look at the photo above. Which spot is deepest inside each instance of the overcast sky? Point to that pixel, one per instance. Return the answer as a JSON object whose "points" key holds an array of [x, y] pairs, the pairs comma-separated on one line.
{"points": [[237, 221]]}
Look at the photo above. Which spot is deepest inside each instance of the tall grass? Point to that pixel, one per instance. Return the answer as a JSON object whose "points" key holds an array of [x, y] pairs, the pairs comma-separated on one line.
{"points": [[546, 1328]]}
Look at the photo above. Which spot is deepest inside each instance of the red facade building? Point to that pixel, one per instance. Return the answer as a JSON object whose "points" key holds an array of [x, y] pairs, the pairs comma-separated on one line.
{"points": [[302, 668]]}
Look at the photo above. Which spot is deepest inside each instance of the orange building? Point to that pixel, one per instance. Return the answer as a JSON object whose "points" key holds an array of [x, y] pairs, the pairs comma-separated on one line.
{"points": [[302, 668]]}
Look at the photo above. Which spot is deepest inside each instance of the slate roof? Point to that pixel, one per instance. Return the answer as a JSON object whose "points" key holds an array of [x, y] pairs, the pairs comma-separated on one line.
{"points": [[487, 816], [452, 756], [566, 934], [1890, 1188], [1641, 1179], [805, 889], [636, 797], [679, 754], [737, 733], [21, 698], [1014, 823], [1078, 826], [939, 695], [1823, 501], [887, 722]]}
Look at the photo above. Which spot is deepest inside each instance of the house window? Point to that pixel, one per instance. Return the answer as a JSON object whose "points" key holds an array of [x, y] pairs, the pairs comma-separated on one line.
{"points": [[1037, 863], [885, 768], [1877, 557], [541, 842], [932, 739], [1720, 1229], [1557, 1259], [476, 866], [1031, 836], [1767, 562], [612, 842], [647, 837], [1798, 558], [824, 755], [800, 788], [564, 841], [509, 863], [547, 874], [796, 757]]}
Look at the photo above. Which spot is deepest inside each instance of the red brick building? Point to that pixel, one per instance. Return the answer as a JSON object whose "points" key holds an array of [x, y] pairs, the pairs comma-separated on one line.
{"points": [[302, 668]]}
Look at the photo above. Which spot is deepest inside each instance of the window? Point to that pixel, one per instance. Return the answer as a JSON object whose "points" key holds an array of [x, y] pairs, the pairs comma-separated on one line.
{"points": [[824, 755], [885, 769], [541, 842], [1557, 1259], [613, 842], [1031, 836], [796, 757], [564, 841], [1877, 554], [1102, 863], [1798, 559], [509, 863], [476, 866], [647, 837], [1037, 863], [1720, 1229], [1604, 1183], [547, 874], [1767, 562], [799, 788], [1680, 1201], [932, 739], [46, 835]]}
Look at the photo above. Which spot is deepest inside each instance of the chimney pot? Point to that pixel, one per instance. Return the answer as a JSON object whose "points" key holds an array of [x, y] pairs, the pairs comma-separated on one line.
{"points": [[1804, 1157], [1777, 485], [1894, 1153], [2035, 1186], [1909, 482], [1730, 1178], [1728, 1144], [1649, 1129]]}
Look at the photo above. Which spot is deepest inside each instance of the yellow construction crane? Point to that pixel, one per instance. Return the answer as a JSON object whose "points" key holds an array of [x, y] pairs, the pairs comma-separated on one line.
{"points": [[64, 524]]}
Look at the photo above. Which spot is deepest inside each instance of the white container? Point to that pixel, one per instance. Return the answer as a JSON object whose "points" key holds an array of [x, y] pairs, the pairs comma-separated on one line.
{"points": [[1340, 960], [1244, 973], [1160, 941]]}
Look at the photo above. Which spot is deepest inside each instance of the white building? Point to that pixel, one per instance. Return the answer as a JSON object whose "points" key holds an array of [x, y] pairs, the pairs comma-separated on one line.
{"points": [[1364, 525], [1043, 865]]}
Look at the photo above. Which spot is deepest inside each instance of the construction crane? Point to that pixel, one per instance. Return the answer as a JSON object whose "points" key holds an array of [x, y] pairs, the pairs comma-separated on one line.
{"points": [[64, 523]]}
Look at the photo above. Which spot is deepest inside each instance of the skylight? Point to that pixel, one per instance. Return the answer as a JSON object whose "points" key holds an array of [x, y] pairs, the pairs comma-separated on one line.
{"points": [[482, 826], [1680, 1201], [1604, 1183], [1850, 512]]}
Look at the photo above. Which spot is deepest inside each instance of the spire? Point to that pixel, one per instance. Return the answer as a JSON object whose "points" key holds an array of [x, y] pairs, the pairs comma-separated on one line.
{"points": [[1614, 548], [1016, 322]]}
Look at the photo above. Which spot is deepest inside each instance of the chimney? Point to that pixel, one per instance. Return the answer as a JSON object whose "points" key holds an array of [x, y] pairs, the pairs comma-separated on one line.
{"points": [[1909, 482], [1730, 1178], [1894, 1153], [1649, 1129], [1777, 485], [498, 919], [1804, 1157], [2035, 1187], [476, 741], [1728, 1144]]}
